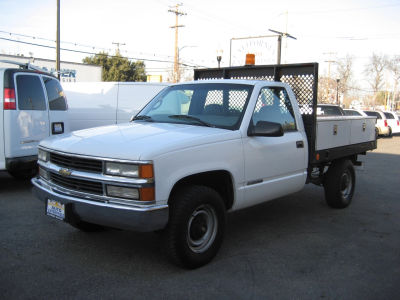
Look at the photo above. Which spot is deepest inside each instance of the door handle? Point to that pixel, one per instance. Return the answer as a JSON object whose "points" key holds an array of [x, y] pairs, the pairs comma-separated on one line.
{"points": [[299, 144]]}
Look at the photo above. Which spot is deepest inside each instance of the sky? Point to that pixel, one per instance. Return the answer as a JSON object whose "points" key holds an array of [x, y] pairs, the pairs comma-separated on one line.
{"points": [[324, 30]]}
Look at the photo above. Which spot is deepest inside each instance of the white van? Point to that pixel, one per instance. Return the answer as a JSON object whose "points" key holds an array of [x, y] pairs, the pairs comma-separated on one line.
{"points": [[92, 104], [32, 107]]}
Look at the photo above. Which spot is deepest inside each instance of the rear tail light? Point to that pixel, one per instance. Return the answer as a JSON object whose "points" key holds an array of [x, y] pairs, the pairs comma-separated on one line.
{"points": [[385, 122], [9, 99], [398, 123]]}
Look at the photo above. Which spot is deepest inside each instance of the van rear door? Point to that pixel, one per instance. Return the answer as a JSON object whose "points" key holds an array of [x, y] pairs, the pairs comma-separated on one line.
{"points": [[27, 123], [58, 118]]}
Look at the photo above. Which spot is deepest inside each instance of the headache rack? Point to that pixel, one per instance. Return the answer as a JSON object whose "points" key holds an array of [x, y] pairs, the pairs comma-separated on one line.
{"points": [[302, 78]]}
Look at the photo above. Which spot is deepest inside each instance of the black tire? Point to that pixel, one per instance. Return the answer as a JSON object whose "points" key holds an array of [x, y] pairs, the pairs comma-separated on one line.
{"points": [[339, 184], [376, 133], [196, 226], [87, 227], [390, 132], [24, 174]]}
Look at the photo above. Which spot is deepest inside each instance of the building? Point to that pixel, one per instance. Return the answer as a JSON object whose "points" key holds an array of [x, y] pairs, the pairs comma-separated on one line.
{"points": [[70, 71]]}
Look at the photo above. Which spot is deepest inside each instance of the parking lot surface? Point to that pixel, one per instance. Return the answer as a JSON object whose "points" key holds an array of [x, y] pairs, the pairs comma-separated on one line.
{"points": [[295, 247]]}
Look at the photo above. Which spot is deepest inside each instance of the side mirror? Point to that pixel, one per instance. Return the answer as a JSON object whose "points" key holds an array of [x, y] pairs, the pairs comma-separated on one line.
{"points": [[265, 128]]}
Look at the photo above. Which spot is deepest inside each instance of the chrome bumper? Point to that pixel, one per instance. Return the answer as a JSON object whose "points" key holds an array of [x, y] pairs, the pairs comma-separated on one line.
{"points": [[144, 218]]}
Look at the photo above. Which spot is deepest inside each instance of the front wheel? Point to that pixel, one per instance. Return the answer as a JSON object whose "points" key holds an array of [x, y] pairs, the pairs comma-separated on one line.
{"points": [[339, 184], [196, 226]]}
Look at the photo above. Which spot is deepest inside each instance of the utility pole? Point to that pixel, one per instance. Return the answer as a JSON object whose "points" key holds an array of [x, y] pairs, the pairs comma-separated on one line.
{"points": [[118, 44], [280, 35], [176, 62], [330, 61], [58, 41]]}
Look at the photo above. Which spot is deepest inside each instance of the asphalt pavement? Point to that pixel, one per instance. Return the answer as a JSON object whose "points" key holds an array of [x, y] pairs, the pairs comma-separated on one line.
{"points": [[294, 247]]}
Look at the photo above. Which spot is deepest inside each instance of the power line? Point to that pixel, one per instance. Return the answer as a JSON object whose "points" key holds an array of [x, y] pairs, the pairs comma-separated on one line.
{"points": [[92, 53], [329, 11], [77, 44]]}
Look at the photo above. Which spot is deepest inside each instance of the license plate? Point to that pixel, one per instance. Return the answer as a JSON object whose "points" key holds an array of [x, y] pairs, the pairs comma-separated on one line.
{"points": [[55, 209]]}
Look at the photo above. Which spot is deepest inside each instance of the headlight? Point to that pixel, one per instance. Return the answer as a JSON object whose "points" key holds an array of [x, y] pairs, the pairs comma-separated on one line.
{"points": [[122, 192], [120, 169], [129, 170], [43, 155], [43, 173]]}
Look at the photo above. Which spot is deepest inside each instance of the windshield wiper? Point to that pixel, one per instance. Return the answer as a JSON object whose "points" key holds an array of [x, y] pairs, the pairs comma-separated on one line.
{"points": [[142, 118], [191, 118]]}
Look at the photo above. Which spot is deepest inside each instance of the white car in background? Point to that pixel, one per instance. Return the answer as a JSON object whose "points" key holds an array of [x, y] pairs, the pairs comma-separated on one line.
{"points": [[381, 122], [393, 121]]}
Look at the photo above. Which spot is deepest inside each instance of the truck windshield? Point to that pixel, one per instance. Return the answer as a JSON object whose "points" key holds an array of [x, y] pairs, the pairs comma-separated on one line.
{"points": [[220, 105]]}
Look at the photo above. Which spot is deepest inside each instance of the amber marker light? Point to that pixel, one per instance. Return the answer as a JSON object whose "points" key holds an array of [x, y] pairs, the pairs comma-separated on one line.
{"points": [[146, 171], [147, 194]]}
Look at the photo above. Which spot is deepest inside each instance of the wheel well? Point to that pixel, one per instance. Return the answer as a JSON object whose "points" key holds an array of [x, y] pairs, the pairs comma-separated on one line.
{"points": [[220, 181]]}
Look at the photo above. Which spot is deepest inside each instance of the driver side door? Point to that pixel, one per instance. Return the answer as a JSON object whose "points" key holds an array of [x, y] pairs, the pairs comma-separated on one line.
{"points": [[274, 166]]}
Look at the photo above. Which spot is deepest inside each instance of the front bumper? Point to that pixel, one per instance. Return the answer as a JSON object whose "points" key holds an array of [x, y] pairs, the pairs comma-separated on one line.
{"points": [[143, 218]]}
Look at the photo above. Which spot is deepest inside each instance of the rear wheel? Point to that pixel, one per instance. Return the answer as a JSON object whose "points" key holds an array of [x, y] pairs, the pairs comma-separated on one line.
{"points": [[339, 184], [390, 132], [196, 226]]}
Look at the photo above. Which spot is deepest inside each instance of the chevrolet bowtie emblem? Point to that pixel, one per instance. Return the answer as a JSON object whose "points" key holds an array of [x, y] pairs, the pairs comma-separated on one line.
{"points": [[64, 172]]}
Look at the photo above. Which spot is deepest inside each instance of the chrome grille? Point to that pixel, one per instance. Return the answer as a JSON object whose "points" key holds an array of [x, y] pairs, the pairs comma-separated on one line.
{"points": [[77, 184], [76, 163]]}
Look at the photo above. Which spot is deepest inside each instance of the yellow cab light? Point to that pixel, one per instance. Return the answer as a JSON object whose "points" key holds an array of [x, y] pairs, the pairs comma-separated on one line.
{"points": [[250, 59]]}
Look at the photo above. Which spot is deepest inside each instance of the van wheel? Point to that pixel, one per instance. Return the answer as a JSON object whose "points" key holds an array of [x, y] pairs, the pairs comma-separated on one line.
{"points": [[196, 226], [339, 184], [24, 174], [376, 133]]}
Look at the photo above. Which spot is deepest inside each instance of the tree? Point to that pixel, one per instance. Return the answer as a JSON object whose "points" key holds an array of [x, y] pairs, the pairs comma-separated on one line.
{"points": [[118, 68], [394, 67], [375, 72], [326, 90], [345, 75]]}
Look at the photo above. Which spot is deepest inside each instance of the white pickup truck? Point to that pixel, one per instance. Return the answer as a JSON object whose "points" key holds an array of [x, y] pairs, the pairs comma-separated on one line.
{"points": [[199, 150]]}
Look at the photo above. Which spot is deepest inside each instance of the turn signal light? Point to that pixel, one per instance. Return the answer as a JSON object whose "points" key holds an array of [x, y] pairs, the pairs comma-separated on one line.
{"points": [[146, 171], [147, 194]]}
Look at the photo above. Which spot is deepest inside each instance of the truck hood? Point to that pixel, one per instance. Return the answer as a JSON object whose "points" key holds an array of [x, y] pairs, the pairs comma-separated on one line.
{"points": [[136, 141]]}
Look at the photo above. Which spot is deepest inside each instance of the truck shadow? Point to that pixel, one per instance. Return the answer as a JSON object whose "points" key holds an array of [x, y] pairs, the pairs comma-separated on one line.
{"points": [[9, 184]]}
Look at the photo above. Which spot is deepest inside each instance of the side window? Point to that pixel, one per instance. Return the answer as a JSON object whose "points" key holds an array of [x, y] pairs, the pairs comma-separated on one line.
{"points": [[273, 105], [30, 93], [55, 94]]}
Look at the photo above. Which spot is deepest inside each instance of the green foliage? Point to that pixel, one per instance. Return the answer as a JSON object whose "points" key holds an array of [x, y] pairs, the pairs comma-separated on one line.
{"points": [[118, 68]]}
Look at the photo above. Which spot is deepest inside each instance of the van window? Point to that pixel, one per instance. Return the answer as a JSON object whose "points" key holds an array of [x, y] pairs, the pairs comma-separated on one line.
{"points": [[373, 114], [388, 115], [30, 93], [55, 94]]}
